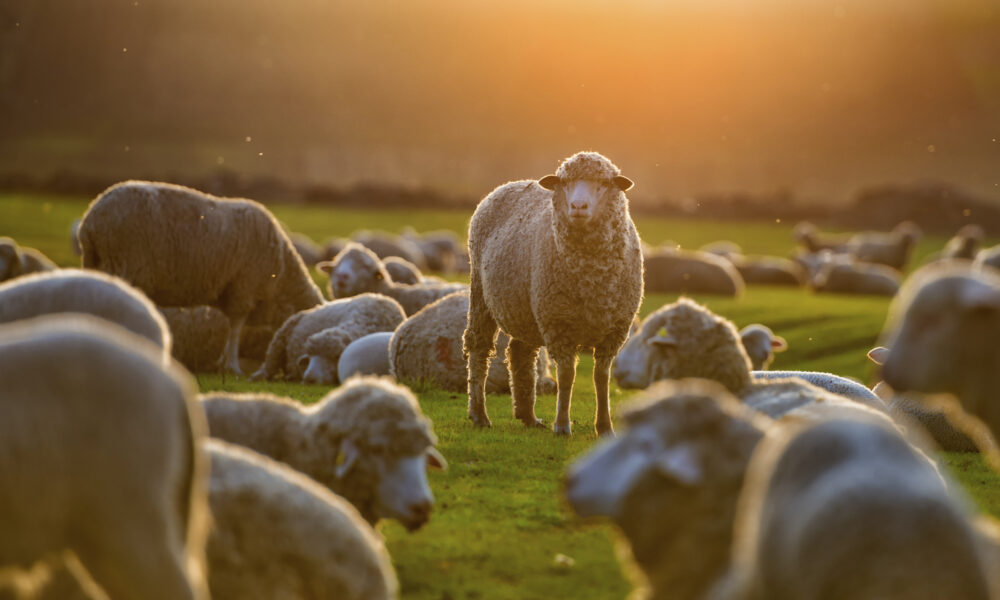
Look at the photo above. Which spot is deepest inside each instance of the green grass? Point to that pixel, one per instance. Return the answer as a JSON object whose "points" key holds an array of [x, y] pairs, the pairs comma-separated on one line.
{"points": [[499, 521]]}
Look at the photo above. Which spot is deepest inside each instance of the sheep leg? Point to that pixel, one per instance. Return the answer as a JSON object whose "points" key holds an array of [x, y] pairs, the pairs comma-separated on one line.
{"points": [[602, 373], [231, 355], [479, 344], [522, 363], [566, 364]]}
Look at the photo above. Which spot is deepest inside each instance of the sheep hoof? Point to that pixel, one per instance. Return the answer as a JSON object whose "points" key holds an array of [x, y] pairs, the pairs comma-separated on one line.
{"points": [[480, 420], [605, 431], [258, 375], [562, 429], [533, 422]]}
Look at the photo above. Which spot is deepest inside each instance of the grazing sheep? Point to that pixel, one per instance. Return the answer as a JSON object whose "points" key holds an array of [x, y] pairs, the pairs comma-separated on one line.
{"points": [[846, 276], [367, 355], [806, 234], [402, 271], [16, 261], [427, 347], [200, 332], [846, 508], [385, 244], [769, 270], [892, 249], [89, 292], [186, 248], [309, 251], [367, 441], [760, 344], [356, 270], [101, 460], [309, 344], [691, 272], [555, 263], [441, 249], [942, 335], [685, 339], [279, 534]]}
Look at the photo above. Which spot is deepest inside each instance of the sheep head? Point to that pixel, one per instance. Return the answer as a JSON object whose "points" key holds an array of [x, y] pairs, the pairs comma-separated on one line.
{"points": [[355, 270], [586, 187], [323, 350]]}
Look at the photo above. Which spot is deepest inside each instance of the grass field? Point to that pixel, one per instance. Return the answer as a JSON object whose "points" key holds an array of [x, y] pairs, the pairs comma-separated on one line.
{"points": [[499, 521]]}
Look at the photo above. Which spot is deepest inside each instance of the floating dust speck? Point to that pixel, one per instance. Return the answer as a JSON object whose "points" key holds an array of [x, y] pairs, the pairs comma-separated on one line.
{"points": [[248, 139], [931, 148], [563, 562]]}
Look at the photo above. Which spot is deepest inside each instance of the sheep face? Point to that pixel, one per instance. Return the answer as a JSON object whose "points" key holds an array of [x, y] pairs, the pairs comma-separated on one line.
{"points": [[354, 271], [943, 334], [323, 350], [761, 344], [579, 201], [631, 368]]}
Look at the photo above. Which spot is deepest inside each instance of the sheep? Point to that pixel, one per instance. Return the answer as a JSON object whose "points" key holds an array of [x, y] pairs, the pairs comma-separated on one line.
{"points": [[685, 339], [357, 269], [309, 344], [441, 249], [402, 271], [279, 534], [769, 270], [557, 263], [846, 508], [692, 272], [892, 249], [965, 244], [385, 244], [848, 276], [16, 261], [723, 248], [183, 247], [200, 332], [919, 417], [427, 347], [332, 246], [367, 355], [760, 344], [988, 257], [89, 292], [367, 441], [806, 234], [309, 251], [102, 461], [941, 333]]}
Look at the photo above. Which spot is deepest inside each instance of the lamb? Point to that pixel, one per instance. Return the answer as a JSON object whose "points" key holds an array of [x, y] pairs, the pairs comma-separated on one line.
{"points": [[309, 344], [555, 263], [760, 344], [402, 271], [102, 465], [806, 234], [427, 347], [671, 480], [385, 244], [367, 355], [685, 339], [89, 292], [186, 248], [280, 534], [441, 249], [892, 249], [367, 441], [941, 333], [16, 261], [847, 276], [691, 272], [846, 508], [356, 270]]}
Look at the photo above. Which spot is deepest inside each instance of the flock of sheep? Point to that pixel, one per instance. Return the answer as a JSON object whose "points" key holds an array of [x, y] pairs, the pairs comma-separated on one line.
{"points": [[728, 480]]}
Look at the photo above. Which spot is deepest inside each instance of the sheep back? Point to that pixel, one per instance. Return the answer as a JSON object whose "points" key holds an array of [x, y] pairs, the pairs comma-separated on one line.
{"points": [[685, 271]]}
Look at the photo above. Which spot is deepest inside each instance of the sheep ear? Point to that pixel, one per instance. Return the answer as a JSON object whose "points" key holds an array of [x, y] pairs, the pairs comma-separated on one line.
{"points": [[976, 296], [303, 361], [435, 460], [778, 344], [662, 341], [623, 183], [680, 463], [878, 355], [346, 457], [326, 266], [549, 182]]}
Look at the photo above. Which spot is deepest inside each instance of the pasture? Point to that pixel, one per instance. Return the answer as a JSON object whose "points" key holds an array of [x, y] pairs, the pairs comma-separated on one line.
{"points": [[499, 522]]}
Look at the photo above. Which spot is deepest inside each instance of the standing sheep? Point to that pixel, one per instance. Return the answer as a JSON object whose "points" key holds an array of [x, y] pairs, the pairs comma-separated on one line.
{"points": [[367, 440], [806, 234], [892, 249], [99, 445], [16, 261], [186, 248], [309, 344], [555, 263], [427, 347], [357, 269], [965, 244], [760, 344], [89, 292], [846, 508], [279, 534]]}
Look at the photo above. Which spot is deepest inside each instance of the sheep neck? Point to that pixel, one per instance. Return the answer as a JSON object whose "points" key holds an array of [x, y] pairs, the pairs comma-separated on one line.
{"points": [[605, 233]]}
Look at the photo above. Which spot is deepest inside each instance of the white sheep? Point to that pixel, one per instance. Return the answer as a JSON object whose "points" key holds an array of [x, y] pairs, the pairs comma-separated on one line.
{"points": [[441, 248], [367, 355], [357, 269], [385, 244], [846, 508], [760, 344], [199, 335], [186, 248], [555, 263], [309, 251], [844, 275], [427, 347], [309, 344], [965, 244], [279, 534], [100, 449], [669, 270], [892, 249], [367, 440], [89, 292], [402, 271], [16, 261], [806, 234]]}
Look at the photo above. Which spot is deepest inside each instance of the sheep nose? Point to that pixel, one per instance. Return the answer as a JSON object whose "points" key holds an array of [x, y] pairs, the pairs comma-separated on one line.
{"points": [[420, 513], [579, 205], [342, 277]]}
